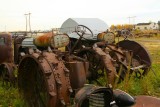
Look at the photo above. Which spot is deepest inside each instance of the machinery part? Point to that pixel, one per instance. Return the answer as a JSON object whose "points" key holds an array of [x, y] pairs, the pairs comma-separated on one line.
{"points": [[84, 32], [140, 58], [95, 65], [108, 37], [123, 99], [121, 60], [93, 96], [100, 65], [147, 101], [17, 48], [44, 81], [127, 34], [108, 64], [7, 73], [77, 73], [6, 51], [117, 61], [27, 43], [49, 39]]}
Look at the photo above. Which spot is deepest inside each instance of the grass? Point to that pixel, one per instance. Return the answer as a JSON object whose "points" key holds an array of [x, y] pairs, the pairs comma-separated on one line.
{"points": [[148, 85], [9, 97]]}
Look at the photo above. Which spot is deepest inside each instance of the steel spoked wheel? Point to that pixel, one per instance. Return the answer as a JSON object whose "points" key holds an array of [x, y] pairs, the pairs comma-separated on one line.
{"points": [[96, 72], [139, 73], [32, 83], [141, 61]]}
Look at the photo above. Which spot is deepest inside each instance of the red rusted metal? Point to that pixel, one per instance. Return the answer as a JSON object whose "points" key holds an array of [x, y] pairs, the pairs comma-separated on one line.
{"points": [[77, 74], [17, 48], [138, 51], [6, 51], [7, 66], [108, 64], [147, 101], [140, 56]]}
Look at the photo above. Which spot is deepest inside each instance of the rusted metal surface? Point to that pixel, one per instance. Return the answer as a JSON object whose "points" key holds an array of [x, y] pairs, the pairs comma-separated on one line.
{"points": [[50, 39], [138, 51], [116, 59], [77, 74], [95, 64], [108, 37], [108, 64], [48, 78], [17, 48], [140, 56], [6, 51], [7, 65], [147, 101]]}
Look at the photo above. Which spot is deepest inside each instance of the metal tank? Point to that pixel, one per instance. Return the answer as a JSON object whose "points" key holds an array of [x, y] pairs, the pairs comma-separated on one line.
{"points": [[50, 39]]}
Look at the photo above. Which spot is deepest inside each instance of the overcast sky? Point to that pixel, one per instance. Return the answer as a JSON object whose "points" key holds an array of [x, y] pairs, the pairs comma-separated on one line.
{"points": [[47, 14]]}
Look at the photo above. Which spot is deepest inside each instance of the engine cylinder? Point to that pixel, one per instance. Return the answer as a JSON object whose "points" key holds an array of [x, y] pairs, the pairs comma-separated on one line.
{"points": [[49, 39]]}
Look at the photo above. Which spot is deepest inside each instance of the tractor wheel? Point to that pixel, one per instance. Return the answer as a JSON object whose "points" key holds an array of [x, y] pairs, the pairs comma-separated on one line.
{"points": [[96, 72], [43, 81], [7, 74]]}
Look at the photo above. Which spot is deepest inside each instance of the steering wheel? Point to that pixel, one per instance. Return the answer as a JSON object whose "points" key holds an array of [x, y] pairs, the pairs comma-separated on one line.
{"points": [[127, 34], [82, 30]]}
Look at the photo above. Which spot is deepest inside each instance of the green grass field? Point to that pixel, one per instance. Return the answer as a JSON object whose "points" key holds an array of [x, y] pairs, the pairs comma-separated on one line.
{"points": [[148, 85]]}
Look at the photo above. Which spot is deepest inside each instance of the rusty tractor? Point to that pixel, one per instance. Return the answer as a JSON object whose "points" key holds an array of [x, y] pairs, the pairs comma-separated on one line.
{"points": [[49, 77], [114, 59], [6, 59]]}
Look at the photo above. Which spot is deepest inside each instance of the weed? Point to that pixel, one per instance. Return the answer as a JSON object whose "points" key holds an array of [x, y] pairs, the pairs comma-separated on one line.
{"points": [[9, 97]]}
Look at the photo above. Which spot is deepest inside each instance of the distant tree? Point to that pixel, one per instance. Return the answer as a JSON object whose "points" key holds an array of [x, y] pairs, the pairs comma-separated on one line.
{"points": [[119, 27], [112, 28], [128, 26]]}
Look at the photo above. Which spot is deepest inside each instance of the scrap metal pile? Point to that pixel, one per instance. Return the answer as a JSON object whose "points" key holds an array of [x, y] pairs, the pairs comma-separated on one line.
{"points": [[48, 77]]}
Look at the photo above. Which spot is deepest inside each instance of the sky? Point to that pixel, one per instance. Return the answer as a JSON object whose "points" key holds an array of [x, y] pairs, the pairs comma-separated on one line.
{"points": [[48, 14]]}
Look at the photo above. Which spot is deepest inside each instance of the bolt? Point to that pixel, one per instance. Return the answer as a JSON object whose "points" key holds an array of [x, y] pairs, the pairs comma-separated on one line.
{"points": [[66, 70], [70, 89], [62, 101], [59, 82]]}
